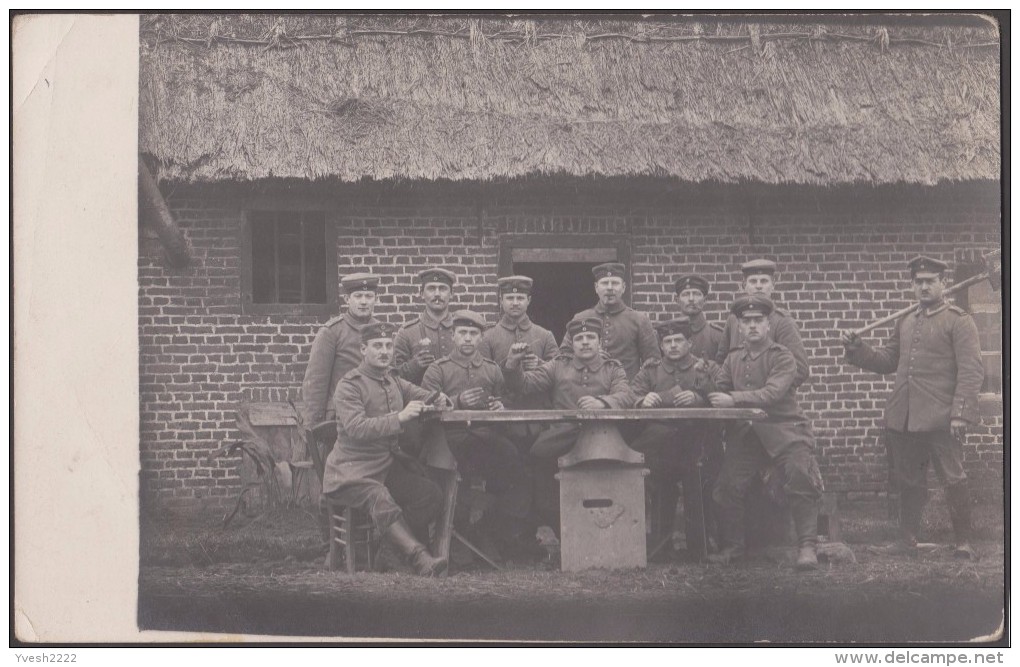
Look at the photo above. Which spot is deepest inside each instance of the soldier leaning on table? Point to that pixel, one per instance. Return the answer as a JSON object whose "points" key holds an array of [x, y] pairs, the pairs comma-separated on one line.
{"points": [[937, 359], [476, 383], [583, 378], [366, 468], [762, 374], [679, 380]]}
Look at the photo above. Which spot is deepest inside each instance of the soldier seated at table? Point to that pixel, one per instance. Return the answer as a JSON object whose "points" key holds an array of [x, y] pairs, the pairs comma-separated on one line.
{"points": [[762, 374], [678, 380], [366, 468], [583, 379], [476, 383]]}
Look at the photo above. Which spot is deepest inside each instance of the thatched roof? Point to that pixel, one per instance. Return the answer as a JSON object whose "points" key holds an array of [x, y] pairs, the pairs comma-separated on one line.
{"points": [[468, 98]]}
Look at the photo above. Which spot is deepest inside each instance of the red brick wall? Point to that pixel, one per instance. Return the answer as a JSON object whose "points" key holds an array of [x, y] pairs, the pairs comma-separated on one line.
{"points": [[842, 260]]}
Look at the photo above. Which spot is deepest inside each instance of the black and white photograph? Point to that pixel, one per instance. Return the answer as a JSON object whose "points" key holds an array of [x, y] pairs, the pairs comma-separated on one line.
{"points": [[596, 328]]}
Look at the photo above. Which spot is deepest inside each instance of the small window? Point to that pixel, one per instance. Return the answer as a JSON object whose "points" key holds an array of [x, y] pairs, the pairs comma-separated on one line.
{"points": [[985, 306], [290, 263]]}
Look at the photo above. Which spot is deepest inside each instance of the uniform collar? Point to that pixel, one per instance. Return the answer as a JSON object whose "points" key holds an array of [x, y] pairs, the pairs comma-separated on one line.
{"points": [[355, 323], [432, 323], [748, 354], [465, 362], [592, 365], [937, 308], [618, 308], [524, 324], [698, 322], [682, 365], [373, 372]]}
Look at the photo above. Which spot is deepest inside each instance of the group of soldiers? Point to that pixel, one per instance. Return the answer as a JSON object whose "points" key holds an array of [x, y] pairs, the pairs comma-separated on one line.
{"points": [[376, 381]]}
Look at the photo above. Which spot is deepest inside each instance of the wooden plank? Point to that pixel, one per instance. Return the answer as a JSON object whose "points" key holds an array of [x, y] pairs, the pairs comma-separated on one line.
{"points": [[272, 414], [584, 255], [631, 414]]}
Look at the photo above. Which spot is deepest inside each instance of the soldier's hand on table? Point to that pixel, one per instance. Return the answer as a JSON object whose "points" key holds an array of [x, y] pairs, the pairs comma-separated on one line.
{"points": [[444, 402], [531, 361], [850, 340], [958, 427], [684, 398], [720, 400], [516, 354], [411, 411], [652, 400], [589, 403], [495, 404], [473, 398]]}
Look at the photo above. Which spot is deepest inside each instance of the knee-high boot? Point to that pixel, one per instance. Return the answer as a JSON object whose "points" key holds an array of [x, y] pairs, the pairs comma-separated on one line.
{"points": [[400, 536]]}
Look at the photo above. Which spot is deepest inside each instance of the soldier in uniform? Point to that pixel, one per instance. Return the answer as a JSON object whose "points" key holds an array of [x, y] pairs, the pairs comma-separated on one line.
{"points": [[935, 354], [761, 374], [429, 337], [337, 348], [476, 383], [706, 337], [679, 380], [626, 335], [515, 327], [760, 278], [707, 342], [583, 378], [366, 468]]}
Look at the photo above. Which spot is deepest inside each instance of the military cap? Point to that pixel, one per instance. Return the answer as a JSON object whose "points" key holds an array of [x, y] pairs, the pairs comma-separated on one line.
{"points": [[468, 318], [691, 280], [377, 330], [922, 264], [754, 304], [359, 282], [680, 325], [515, 285], [609, 270], [584, 325], [437, 275], [758, 266]]}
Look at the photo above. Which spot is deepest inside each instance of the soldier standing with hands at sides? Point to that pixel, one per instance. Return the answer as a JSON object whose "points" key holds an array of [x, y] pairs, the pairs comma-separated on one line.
{"points": [[625, 334], [761, 374], [760, 278], [476, 383], [582, 378], [429, 337], [366, 468], [337, 348], [935, 354], [678, 380]]}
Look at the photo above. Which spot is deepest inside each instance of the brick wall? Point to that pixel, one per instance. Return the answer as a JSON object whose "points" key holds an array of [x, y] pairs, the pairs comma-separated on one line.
{"points": [[842, 258]]}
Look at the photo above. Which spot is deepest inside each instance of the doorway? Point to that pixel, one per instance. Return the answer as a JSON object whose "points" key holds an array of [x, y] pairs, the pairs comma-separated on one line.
{"points": [[561, 268]]}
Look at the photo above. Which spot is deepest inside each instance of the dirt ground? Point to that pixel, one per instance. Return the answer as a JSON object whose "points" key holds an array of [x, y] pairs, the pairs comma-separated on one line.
{"points": [[266, 576]]}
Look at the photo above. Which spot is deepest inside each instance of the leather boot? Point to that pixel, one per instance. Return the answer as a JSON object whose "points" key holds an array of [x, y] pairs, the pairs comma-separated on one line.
{"points": [[912, 502], [805, 520], [417, 555], [958, 497], [731, 530]]}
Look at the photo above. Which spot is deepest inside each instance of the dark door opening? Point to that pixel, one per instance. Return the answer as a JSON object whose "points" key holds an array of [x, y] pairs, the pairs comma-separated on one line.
{"points": [[561, 290]]}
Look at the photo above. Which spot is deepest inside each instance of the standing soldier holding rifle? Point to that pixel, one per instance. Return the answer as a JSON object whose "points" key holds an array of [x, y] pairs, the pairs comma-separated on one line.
{"points": [[935, 354]]}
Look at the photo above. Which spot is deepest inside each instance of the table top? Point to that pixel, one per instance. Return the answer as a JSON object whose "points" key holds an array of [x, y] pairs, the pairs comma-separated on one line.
{"points": [[630, 414]]}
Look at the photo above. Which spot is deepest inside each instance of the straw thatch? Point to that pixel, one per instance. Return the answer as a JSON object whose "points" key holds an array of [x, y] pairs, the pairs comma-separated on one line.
{"points": [[391, 97]]}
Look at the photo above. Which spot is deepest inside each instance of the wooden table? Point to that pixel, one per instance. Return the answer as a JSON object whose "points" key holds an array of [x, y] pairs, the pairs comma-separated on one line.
{"points": [[600, 440]]}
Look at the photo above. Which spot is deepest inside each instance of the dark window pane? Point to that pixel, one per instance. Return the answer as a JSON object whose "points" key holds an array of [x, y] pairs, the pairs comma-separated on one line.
{"points": [[993, 372], [289, 257]]}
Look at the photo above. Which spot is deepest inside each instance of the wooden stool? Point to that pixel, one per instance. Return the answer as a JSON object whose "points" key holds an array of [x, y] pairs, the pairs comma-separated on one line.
{"points": [[352, 538]]}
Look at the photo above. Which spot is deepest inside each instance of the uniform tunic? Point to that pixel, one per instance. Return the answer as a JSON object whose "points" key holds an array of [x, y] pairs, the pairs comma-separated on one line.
{"points": [[335, 351], [496, 344], [627, 336], [937, 360], [367, 402], [405, 344], [706, 338], [783, 330]]}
